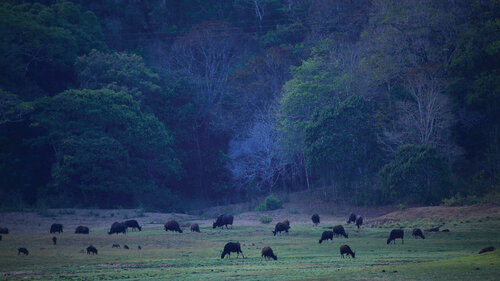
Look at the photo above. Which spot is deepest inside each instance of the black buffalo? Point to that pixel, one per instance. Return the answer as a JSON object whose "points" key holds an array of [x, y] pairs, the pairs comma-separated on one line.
{"points": [[395, 234], [133, 224], [82, 230], [172, 226], [118, 227], [231, 248], [56, 227], [91, 249], [339, 230], [223, 220]]}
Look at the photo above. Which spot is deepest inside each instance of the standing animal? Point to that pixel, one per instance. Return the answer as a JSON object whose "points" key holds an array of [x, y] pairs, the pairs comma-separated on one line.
{"points": [[82, 230], [395, 234], [280, 227], [352, 218], [56, 227], [287, 222], [133, 224], [23, 251], [126, 247], [267, 252], [417, 232], [54, 240], [232, 247], [172, 226], [139, 247], [118, 227], [223, 220], [4, 230], [115, 246], [315, 219], [359, 221], [338, 230], [488, 249], [325, 236], [91, 249], [344, 249], [195, 227]]}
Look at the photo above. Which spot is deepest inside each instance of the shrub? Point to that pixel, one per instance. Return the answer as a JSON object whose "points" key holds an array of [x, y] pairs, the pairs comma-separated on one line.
{"points": [[293, 211], [401, 207], [272, 203], [67, 212], [459, 200], [46, 213], [140, 213], [265, 220]]}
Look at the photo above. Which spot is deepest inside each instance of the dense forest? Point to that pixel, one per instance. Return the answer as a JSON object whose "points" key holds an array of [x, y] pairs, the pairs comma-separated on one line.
{"points": [[151, 103]]}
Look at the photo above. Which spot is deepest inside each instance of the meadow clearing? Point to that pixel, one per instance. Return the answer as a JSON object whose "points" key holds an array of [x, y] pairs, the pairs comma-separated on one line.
{"points": [[196, 256]]}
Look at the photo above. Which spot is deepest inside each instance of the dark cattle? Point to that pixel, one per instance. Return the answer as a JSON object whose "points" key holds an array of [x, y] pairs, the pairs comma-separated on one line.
{"points": [[82, 230], [133, 224], [432, 229], [280, 227], [223, 220], [287, 222], [23, 251], [417, 232], [344, 249], [352, 218], [139, 247], [4, 230], [445, 230], [230, 248], [395, 234], [115, 246], [359, 221], [54, 240], [315, 219], [338, 230], [485, 250], [118, 227], [267, 252], [172, 226], [126, 247], [91, 249], [195, 227], [327, 235], [56, 227], [0, 237]]}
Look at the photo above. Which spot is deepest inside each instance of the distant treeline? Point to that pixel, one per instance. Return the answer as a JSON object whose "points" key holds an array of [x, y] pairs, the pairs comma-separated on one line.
{"points": [[129, 103]]}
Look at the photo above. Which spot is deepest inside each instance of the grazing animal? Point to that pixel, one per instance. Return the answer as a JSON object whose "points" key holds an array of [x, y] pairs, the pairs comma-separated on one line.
{"points": [[344, 249], [432, 229], [82, 230], [395, 234], [287, 222], [223, 220], [232, 247], [267, 252], [139, 247], [339, 230], [118, 227], [4, 230], [172, 226], [115, 246], [91, 249], [417, 232], [54, 240], [488, 249], [56, 227], [280, 227], [315, 219], [352, 218], [126, 247], [133, 224], [359, 221], [23, 251], [445, 230], [195, 227], [326, 235]]}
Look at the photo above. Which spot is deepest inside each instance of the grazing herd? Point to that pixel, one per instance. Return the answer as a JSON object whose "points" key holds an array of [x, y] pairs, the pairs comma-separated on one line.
{"points": [[235, 247]]}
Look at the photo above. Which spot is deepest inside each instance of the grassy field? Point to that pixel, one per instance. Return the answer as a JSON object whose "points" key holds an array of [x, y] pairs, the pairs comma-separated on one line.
{"points": [[196, 256]]}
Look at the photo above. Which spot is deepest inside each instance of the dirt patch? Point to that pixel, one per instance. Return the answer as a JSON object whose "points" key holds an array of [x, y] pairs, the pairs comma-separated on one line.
{"points": [[440, 212]]}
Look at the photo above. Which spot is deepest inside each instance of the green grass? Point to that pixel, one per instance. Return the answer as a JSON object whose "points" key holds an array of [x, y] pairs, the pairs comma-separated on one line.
{"points": [[196, 256]]}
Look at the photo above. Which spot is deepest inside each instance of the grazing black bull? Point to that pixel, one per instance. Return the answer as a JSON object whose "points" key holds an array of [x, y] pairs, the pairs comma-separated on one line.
{"points": [[395, 234], [133, 224], [267, 252], [352, 218], [223, 220], [281, 227], [195, 227], [118, 227], [91, 249], [339, 230], [344, 249], [172, 226], [232, 248], [82, 230], [315, 219], [417, 232], [56, 227], [326, 235]]}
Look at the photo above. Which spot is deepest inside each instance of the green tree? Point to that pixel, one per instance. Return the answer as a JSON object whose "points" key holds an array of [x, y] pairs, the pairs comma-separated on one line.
{"points": [[418, 174]]}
